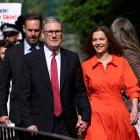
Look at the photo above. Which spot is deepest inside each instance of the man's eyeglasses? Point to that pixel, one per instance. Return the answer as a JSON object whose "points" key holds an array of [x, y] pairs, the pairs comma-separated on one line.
{"points": [[50, 32]]}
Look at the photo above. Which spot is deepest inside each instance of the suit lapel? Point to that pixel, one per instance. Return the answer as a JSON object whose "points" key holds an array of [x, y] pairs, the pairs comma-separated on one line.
{"points": [[43, 65], [63, 68]]}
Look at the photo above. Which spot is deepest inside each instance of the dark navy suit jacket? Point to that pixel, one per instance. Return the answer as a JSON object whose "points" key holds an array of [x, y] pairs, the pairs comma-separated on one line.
{"points": [[11, 70]]}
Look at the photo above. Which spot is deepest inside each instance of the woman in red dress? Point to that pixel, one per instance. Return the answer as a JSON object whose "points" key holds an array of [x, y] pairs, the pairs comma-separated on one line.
{"points": [[106, 73]]}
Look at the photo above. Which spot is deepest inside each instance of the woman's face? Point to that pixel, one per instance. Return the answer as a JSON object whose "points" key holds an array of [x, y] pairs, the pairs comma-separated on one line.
{"points": [[100, 42]]}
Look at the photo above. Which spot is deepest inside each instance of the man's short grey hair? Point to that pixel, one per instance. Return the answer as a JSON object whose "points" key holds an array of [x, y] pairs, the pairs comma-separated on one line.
{"points": [[51, 19]]}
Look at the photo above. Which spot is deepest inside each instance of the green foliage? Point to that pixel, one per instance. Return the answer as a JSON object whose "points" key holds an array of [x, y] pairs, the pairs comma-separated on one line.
{"points": [[82, 15], [39, 6], [35, 6], [127, 8]]}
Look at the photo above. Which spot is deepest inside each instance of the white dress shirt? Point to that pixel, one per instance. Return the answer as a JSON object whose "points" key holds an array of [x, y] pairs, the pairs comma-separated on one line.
{"points": [[27, 47], [48, 55]]}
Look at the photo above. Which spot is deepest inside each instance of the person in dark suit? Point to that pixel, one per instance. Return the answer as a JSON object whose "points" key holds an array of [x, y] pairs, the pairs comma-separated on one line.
{"points": [[38, 93], [12, 67]]}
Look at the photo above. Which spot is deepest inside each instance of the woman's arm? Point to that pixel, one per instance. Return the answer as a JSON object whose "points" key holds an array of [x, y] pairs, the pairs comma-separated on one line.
{"points": [[134, 111]]}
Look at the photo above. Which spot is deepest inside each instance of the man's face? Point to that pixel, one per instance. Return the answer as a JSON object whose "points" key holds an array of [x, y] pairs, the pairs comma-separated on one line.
{"points": [[32, 30], [2, 52], [52, 35], [12, 39]]}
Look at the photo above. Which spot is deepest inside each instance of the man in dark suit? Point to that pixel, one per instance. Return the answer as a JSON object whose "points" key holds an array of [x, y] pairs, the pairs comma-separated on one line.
{"points": [[38, 93], [12, 67]]}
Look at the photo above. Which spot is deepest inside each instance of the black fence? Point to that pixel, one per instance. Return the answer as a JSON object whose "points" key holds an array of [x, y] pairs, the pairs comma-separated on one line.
{"points": [[17, 133]]}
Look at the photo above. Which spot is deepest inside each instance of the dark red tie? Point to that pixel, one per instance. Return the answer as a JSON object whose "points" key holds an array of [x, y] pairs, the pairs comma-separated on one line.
{"points": [[55, 86]]}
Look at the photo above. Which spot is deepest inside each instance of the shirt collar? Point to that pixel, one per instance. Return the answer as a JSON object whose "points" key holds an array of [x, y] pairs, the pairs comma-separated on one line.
{"points": [[27, 47], [26, 44], [49, 52], [95, 62]]}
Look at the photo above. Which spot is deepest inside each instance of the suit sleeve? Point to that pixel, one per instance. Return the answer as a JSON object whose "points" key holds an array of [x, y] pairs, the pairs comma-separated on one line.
{"points": [[83, 105], [5, 77]]}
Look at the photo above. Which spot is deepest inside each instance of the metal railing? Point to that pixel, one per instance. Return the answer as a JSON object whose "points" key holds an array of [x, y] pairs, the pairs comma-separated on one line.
{"points": [[13, 133]]}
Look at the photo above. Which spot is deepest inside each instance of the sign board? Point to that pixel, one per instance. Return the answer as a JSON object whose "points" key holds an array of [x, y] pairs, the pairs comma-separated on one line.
{"points": [[9, 13]]}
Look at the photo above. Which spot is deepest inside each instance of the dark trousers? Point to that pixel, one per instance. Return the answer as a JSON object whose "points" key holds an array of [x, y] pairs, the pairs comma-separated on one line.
{"points": [[60, 126]]}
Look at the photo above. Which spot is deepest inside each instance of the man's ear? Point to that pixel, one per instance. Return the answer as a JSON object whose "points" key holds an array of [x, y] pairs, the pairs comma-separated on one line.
{"points": [[42, 36], [23, 26]]}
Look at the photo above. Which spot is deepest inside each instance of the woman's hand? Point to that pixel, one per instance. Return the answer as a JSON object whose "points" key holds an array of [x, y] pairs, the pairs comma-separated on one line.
{"points": [[134, 111], [134, 115]]}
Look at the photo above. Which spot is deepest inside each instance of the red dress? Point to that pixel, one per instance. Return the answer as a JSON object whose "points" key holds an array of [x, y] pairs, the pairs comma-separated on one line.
{"points": [[110, 119]]}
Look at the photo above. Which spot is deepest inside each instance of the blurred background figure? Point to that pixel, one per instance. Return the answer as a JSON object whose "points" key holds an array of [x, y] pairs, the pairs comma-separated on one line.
{"points": [[3, 46], [19, 24], [126, 36], [10, 32]]}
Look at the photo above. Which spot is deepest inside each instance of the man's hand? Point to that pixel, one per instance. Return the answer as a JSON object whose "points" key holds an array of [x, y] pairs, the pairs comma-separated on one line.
{"points": [[33, 129], [4, 120], [81, 125]]}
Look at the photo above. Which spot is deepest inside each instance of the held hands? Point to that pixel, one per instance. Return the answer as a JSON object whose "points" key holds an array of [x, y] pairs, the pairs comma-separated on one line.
{"points": [[5, 120], [81, 125]]}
